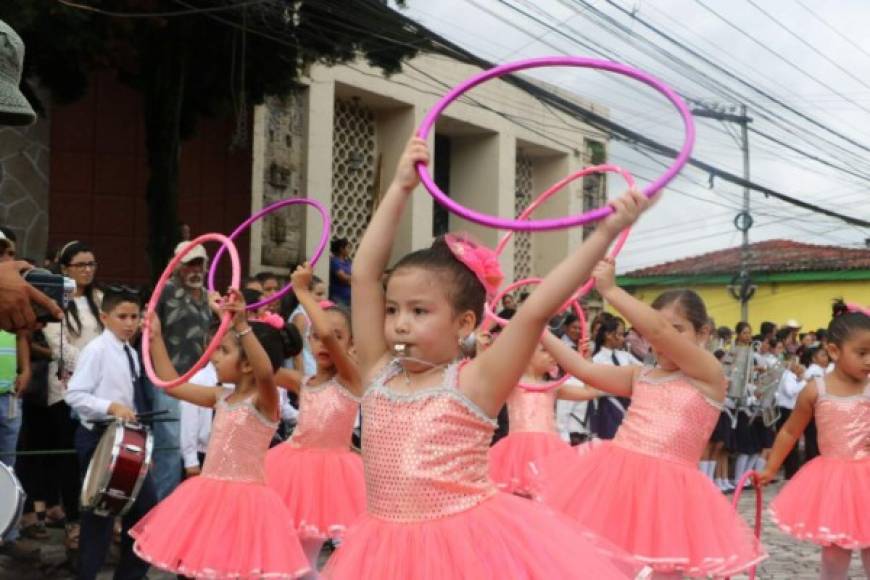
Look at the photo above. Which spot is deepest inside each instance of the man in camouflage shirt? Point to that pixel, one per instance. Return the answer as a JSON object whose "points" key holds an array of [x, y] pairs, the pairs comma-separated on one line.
{"points": [[185, 318]]}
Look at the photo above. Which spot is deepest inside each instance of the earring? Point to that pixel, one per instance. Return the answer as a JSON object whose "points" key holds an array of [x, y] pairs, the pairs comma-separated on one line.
{"points": [[468, 344]]}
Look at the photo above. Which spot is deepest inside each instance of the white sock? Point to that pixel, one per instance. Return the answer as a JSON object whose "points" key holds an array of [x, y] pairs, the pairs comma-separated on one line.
{"points": [[708, 468], [311, 547], [740, 466], [760, 464]]}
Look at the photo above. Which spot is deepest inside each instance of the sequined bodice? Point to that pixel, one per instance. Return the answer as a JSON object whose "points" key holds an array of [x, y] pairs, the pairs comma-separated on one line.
{"points": [[532, 410], [240, 437], [668, 418], [326, 416], [425, 453], [843, 423]]}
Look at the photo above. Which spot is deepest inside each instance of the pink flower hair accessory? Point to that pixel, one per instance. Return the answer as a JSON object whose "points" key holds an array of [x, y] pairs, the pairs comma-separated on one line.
{"points": [[852, 307], [272, 319], [479, 259]]}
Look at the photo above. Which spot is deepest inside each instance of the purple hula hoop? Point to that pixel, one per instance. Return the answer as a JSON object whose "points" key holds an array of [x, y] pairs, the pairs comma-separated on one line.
{"points": [[565, 222], [324, 238]]}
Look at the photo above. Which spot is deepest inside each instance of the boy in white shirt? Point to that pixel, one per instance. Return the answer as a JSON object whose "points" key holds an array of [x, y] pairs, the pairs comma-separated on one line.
{"points": [[106, 385]]}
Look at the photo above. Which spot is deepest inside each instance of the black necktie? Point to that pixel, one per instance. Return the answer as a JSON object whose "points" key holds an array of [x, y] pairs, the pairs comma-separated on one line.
{"points": [[614, 358], [138, 399]]}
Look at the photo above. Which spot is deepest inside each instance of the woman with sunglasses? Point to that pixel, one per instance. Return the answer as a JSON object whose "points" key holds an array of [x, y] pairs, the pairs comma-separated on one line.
{"points": [[59, 474]]}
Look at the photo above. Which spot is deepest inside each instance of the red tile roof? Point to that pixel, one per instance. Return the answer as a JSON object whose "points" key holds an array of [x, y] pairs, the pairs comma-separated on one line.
{"points": [[766, 256]]}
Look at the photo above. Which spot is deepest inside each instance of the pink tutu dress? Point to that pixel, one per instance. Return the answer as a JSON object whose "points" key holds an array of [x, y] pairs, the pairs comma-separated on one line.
{"points": [[432, 511], [643, 490], [828, 500], [532, 436], [320, 480], [225, 523]]}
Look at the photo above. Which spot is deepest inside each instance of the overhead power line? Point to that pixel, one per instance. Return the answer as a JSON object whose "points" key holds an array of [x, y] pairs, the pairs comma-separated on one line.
{"points": [[619, 132]]}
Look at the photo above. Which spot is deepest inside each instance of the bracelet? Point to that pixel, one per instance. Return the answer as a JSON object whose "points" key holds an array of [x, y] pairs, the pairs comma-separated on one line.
{"points": [[244, 332]]}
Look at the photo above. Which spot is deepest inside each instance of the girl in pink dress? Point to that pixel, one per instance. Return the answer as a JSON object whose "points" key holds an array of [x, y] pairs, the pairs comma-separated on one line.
{"points": [[226, 522], [428, 416], [532, 435], [643, 490], [828, 501], [319, 478]]}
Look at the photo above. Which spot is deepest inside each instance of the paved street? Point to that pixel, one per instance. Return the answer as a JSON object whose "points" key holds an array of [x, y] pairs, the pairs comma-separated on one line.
{"points": [[789, 560]]}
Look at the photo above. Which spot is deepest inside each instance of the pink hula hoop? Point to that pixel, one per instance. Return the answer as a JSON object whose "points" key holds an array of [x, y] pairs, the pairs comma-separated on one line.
{"points": [[324, 237], [578, 310], [226, 319], [544, 196], [575, 61], [759, 504]]}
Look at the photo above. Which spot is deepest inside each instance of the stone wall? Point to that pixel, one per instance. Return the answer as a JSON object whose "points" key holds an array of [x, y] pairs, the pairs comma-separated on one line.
{"points": [[282, 233], [24, 171]]}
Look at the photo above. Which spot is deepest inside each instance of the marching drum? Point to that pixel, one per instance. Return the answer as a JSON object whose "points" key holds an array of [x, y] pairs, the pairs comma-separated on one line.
{"points": [[117, 469], [11, 499]]}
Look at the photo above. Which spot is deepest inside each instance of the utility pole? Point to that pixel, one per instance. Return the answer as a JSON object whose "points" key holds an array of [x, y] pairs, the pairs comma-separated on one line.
{"points": [[741, 285], [744, 250]]}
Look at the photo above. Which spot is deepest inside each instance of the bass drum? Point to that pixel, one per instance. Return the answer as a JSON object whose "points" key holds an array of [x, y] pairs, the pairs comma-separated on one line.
{"points": [[11, 499]]}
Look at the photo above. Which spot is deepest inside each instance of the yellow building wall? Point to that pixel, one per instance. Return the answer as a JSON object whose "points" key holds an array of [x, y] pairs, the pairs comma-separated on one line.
{"points": [[807, 302]]}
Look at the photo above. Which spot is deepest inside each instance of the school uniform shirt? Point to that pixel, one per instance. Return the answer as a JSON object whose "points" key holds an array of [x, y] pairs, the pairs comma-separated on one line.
{"points": [[606, 356], [571, 415], [102, 377], [196, 420], [814, 371], [788, 390]]}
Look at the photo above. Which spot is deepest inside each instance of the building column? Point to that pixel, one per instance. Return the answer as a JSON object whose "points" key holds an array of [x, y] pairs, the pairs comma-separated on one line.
{"points": [[318, 163]]}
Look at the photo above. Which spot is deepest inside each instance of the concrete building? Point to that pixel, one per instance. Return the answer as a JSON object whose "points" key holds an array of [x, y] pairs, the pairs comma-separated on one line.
{"points": [[338, 140], [81, 172]]}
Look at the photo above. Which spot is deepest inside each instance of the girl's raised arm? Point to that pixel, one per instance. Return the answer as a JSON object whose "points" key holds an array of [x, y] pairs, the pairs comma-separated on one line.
{"points": [[261, 365], [612, 379], [694, 360], [371, 259], [491, 376], [347, 369], [577, 393], [196, 394], [288, 379]]}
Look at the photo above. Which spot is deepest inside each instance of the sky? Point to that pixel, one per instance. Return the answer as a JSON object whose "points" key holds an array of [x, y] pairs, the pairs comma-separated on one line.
{"points": [[810, 55]]}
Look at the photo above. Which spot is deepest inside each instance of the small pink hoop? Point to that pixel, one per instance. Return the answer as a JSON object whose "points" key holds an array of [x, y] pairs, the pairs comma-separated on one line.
{"points": [[324, 237], [548, 61], [226, 319], [578, 310], [759, 505], [549, 192]]}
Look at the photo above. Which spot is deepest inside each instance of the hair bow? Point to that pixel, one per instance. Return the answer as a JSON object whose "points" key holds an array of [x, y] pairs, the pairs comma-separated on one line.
{"points": [[852, 307], [272, 319], [477, 258]]}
